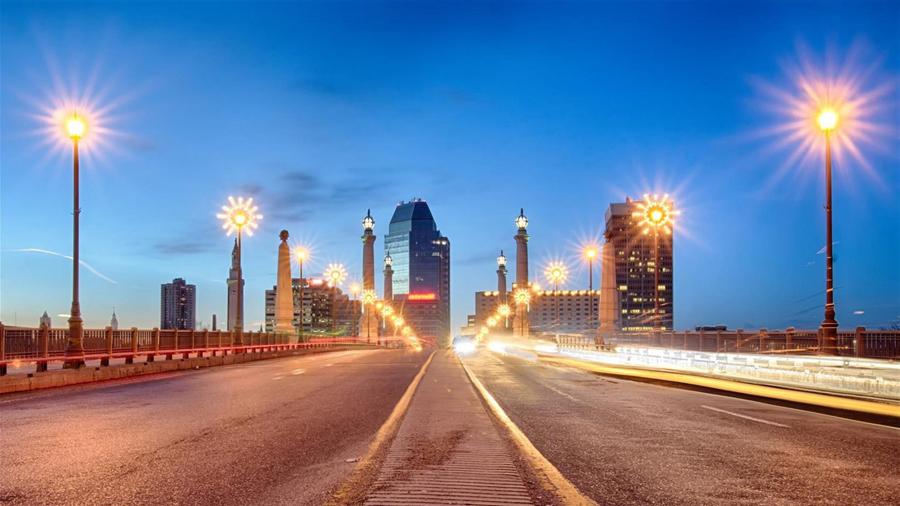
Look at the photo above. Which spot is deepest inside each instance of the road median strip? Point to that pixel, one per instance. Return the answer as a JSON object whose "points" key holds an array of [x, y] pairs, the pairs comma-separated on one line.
{"points": [[353, 489], [551, 477]]}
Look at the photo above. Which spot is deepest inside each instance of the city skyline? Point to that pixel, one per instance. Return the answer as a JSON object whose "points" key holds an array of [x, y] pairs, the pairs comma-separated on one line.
{"points": [[329, 141]]}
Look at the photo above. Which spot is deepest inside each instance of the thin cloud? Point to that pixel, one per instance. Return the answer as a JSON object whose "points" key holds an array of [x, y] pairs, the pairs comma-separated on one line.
{"points": [[81, 262]]}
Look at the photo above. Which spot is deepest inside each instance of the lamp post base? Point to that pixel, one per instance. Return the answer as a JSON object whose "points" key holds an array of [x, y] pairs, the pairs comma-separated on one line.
{"points": [[828, 338], [75, 347]]}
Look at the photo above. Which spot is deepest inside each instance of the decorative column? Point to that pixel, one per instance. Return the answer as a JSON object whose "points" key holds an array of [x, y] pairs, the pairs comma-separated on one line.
{"points": [[501, 278], [368, 325], [284, 296], [388, 279], [520, 322]]}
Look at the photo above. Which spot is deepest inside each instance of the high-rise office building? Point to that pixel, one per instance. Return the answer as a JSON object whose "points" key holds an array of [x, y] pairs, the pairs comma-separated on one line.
{"points": [[178, 305], [634, 258], [420, 259]]}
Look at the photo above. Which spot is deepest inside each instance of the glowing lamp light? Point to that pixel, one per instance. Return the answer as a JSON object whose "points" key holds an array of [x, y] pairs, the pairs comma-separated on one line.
{"points": [[521, 220], [335, 274], [368, 297], [422, 296], [368, 222], [656, 214], [522, 296], [590, 252], [501, 260], [300, 253], [504, 310], [827, 119], [492, 321], [239, 215], [75, 127], [556, 273], [388, 261], [387, 311]]}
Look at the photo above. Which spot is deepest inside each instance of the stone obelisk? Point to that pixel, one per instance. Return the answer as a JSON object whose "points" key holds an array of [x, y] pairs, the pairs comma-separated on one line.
{"points": [[368, 324], [608, 293], [284, 295], [520, 321]]}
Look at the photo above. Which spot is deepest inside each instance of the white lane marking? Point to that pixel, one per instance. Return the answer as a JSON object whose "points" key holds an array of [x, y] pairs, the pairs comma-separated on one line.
{"points": [[276, 378], [296, 372], [567, 396], [760, 420], [328, 365]]}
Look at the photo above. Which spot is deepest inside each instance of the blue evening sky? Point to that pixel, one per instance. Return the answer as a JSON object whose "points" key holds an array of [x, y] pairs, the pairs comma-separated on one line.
{"points": [[322, 110]]}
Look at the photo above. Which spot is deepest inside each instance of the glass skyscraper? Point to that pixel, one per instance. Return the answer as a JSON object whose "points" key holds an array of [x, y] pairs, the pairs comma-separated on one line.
{"points": [[421, 263]]}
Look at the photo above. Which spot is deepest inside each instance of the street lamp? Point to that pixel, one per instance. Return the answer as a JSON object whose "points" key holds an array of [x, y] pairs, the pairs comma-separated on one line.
{"points": [[504, 310], [590, 253], [301, 254], [368, 299], [334, 276], [656, 215], [238, 215], [75, 128], [556, 273], [828, 120], [355, 289]]}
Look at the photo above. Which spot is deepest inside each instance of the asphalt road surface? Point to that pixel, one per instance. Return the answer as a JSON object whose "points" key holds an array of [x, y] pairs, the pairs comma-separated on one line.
{"points": [[628, 442], [281, 431]]}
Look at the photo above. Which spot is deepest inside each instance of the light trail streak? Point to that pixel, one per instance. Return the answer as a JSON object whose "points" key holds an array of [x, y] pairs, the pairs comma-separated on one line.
{"points": [[80, 262]]}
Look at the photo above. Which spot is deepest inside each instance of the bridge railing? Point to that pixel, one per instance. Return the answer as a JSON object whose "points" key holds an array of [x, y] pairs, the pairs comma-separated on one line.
{"points": [[43, 345], [861, 342]]}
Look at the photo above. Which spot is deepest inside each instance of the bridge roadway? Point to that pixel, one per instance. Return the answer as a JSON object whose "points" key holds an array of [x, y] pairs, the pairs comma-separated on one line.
{"points": [[282, 431], [625, 442], [287, 431]]}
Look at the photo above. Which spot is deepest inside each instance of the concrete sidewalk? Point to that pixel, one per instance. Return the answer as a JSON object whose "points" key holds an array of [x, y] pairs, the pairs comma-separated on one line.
{"points": [[448, 450]]}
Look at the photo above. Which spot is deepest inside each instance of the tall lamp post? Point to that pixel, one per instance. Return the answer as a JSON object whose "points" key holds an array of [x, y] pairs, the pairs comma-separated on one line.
{"points": [[368, 301], [656, 216], [301, 254], [556, 273], [827, 120], [334, 275], [75, 127], [590, 253], [237, 216]]}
